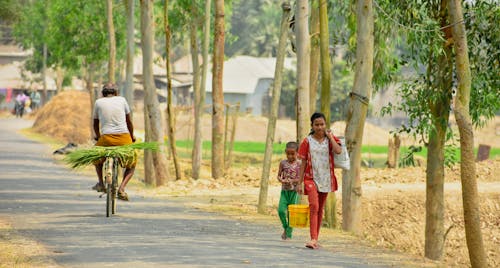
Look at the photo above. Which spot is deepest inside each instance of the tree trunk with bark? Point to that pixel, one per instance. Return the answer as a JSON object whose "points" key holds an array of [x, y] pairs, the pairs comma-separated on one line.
{"points": [[358, 107], [217, 93], [273, 113], [303, 65], [393, 154], [170, 108], [89, 83], [129, 76], [229, 158], [315, 56], [112, 42], [470, 197], [434, 203], [44, 75], [198, 107], [200, 102], [330, 206], [59, 79], [155, 163]]}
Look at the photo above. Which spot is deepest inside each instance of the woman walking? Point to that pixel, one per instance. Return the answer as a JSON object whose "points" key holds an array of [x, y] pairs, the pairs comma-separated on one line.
{"points": [[316, 171]]}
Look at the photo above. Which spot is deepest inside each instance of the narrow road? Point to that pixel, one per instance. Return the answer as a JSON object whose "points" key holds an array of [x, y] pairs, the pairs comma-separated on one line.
{"points": [[53, 205]]}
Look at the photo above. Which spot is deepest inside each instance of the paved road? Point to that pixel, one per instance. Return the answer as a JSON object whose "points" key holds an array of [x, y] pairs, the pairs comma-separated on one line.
{"points": [[50, 203]]}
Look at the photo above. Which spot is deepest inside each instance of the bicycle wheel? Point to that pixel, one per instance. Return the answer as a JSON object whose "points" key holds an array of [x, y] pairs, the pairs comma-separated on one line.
{"points": [[109, 200], [108, 173], [115, 186]]}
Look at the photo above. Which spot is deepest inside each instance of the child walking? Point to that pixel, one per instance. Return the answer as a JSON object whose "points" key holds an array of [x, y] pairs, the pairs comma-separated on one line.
{"points": [[288, 176], [316, 171]]}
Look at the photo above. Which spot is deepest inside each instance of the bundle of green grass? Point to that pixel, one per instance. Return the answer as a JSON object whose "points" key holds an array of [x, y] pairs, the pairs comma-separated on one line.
{"points": [[124, 154]]}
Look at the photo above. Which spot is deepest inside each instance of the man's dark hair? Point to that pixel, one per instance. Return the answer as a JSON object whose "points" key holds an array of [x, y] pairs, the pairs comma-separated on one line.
{"points": [[292, 145], [109, 89]]}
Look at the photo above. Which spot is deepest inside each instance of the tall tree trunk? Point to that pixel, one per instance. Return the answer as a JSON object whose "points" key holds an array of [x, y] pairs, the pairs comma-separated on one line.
{"points": [[59, 78], [273, 112], [315, 56], [218, 94], [358, 107], [199, 106], [153, 161], [129, 77], [470, 198], [170, 108], [44, 75], [303, 65], [149, 168], [393, 154], [90, 87], [112, 42], [325, 60], [434, 217], [229, 158], [330, 207]]}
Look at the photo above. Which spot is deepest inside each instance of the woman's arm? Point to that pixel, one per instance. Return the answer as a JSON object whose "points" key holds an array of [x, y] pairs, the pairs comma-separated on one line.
{"points": [[336, 147]]}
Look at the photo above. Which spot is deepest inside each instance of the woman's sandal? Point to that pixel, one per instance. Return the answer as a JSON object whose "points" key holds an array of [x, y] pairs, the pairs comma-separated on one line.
{"points": [[122, 195], [312, 245]]}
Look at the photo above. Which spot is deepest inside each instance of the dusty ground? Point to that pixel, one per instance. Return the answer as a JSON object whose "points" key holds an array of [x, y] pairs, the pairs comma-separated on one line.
{"points": [[20, 251], [393, 203]]}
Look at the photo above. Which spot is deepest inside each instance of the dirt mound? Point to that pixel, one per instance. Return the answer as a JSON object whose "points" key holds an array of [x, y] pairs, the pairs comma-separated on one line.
{"points": [[65, 117]]}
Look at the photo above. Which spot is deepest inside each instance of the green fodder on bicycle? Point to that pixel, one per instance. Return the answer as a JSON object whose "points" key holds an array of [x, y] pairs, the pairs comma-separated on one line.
{"points": [[124, 153]]}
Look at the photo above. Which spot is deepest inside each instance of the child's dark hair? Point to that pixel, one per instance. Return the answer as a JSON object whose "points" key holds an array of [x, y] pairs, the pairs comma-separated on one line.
{"points": [[315, 116], [292, 145]]}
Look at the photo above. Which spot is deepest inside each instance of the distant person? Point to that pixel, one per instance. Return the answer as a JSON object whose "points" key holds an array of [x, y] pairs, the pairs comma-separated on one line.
{"points": [[113, 127], [27, 103], [35, 100], [288, 176], [316, 171], [20, 103]]}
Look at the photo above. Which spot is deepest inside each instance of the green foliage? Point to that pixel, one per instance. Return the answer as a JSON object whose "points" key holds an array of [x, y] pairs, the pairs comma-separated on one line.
{"points": [[408, 158], [74, 31], [420, 93], [10, 10], [255, 28], [483, 37]]}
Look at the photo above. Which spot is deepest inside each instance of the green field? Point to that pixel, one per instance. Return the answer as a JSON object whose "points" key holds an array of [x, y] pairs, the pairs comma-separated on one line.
{"points": [[375, 150]]}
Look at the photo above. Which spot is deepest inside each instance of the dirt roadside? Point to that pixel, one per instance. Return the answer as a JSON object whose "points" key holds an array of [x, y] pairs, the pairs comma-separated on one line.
{"points": [[60, 212], [393, 204]]}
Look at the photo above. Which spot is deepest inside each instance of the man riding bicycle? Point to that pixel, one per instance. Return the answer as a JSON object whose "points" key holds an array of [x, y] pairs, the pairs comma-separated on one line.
{"points": [[113, 127]]}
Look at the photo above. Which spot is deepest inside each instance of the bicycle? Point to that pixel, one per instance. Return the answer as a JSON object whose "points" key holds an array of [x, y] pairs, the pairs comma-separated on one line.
{"points": [[110, 174]]}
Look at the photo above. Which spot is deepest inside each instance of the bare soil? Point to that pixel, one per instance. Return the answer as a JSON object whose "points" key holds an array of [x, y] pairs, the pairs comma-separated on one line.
{"points": [[394, 199]]}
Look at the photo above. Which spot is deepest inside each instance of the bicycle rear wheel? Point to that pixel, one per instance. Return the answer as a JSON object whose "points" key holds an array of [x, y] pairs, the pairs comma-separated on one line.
{"points": [[108, 173], [109, 200], [114, 186]]}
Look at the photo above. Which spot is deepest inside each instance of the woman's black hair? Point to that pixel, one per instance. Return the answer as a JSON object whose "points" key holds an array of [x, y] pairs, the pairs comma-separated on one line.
{"points": [[109, 89], [315, 116]]}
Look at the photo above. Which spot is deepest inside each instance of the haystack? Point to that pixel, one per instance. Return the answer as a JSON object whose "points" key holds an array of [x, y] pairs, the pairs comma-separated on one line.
{"points": [[66, 117]]}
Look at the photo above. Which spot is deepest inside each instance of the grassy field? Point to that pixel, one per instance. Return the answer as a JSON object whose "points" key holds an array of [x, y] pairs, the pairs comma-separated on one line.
{"points": [[279, 148]]}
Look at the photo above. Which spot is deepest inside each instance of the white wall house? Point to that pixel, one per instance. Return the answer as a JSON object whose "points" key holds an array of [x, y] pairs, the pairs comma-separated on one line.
{"points": [[248, 80]]}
